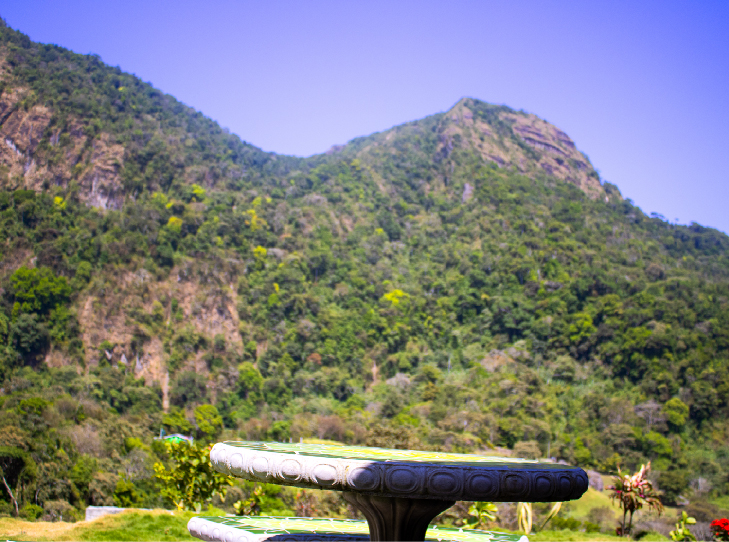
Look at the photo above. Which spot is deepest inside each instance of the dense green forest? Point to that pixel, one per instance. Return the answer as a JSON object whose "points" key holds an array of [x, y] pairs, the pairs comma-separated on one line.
{"points": [[435, 286]]}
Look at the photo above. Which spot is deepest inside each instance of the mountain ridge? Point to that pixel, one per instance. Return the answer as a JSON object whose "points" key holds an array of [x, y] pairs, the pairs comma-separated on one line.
{"points": [[27, 124]]}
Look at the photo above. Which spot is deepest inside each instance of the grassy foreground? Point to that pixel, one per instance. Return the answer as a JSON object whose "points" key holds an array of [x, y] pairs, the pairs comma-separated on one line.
{"points": [[164, 525], [161, 525]]}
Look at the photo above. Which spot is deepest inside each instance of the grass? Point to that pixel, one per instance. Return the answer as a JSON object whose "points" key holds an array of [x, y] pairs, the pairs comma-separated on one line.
{"points": [[592, 498], [566, 536], [722, 502], [159, 525]]}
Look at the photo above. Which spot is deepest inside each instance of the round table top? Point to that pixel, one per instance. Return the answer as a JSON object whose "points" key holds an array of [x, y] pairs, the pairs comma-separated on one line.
{"points": [[400, 473]]}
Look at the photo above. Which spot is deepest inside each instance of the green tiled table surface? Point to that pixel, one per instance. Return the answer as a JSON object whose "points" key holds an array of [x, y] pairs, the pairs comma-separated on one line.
{"points": [[260, 528]]}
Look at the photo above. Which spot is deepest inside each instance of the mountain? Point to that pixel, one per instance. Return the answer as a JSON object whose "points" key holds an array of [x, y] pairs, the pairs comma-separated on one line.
{"points": [[459, 282]]}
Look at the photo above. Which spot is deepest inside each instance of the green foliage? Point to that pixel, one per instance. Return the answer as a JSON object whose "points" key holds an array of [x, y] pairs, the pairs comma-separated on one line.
{"points": [[208, 420], [676, 412], [263, 500], [16, 468], [31, 512], [125, 494], [672, 483], [38, 290], [480, 513], [176, 422], [682, 533], [190, 481], [28, 335]]}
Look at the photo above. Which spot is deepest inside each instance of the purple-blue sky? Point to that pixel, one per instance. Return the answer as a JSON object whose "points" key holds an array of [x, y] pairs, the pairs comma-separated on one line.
{"points": [[642, 87]]}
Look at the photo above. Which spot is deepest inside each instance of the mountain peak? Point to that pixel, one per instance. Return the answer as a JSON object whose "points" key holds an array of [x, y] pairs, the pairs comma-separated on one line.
{"points": [[519, 140]]}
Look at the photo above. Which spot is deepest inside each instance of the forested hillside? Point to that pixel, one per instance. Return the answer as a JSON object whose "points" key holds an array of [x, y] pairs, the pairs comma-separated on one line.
{"points": [[461, 282]]}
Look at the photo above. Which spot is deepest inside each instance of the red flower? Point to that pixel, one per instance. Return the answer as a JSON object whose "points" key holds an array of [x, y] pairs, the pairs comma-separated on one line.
{"points": [[720, 528]]}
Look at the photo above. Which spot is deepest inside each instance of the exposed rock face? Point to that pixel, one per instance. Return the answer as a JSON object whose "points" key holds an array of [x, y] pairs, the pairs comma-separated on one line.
{"points": [[68, 155], [206, 309], [554, 152]]}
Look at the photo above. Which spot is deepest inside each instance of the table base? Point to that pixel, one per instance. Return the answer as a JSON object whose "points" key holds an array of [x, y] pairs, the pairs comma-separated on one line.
{"points": [[397, 518]]}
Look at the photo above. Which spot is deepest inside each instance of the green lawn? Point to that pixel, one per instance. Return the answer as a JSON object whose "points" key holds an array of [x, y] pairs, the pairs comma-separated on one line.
{"points": [[592, 498], [568, 536], [159, 525]]}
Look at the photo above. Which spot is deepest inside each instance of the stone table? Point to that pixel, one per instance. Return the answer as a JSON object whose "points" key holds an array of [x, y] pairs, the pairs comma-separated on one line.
{"points": [[399, 491]]}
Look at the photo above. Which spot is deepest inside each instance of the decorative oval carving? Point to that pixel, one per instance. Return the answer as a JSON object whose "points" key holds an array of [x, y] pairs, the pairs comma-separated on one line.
{"points": [[514, 485], [364, 478], [235, 464], [444, 482], [193, 527], [403, 479], [564, 487], [543, 487], [219, 461], [259, 466], [324, 475], [214, 453], [290, 470], [481, 486], [580, 485]]}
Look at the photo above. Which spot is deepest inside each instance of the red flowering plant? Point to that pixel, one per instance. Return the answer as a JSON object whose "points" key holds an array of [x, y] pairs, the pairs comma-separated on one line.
{"points": [[632, 493], [720, 528]]}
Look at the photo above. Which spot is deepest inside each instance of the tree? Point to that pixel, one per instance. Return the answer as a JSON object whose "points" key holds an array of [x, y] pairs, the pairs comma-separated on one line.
{"points": [[672, 484], [676, 413], [250, 381], [38, 290], [28, 335], [190, 481], [632, 493], [125, 494], [15, 466], [208, 420], [189, 387], [175, 421]]}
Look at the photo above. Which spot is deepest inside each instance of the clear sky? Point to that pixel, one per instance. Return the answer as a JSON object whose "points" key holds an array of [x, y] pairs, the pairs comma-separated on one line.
{"points": [[642, 87]]}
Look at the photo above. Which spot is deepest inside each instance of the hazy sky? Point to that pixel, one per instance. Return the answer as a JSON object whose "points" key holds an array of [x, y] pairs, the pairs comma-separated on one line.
{"points": [[642, 87]]}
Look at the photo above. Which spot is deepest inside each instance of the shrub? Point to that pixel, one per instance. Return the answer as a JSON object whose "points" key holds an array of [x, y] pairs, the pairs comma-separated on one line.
{"points": [[190, 481], [31, 512]]}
